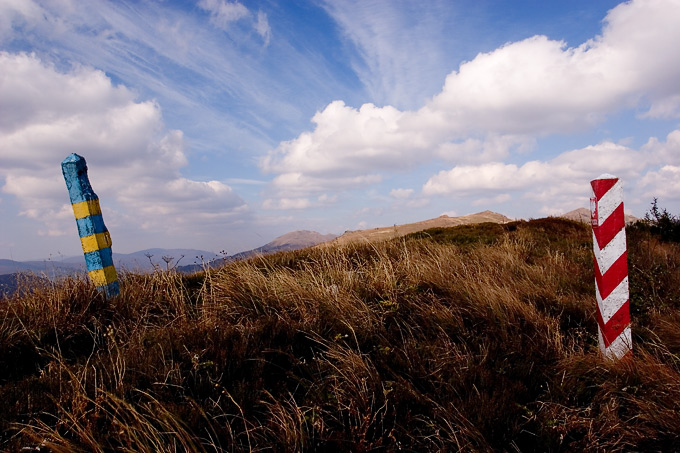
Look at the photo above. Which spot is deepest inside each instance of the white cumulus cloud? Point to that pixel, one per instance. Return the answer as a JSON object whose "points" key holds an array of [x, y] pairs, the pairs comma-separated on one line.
{"points": [[556, 184], [663, 183], [495, 105], [134, 161]]}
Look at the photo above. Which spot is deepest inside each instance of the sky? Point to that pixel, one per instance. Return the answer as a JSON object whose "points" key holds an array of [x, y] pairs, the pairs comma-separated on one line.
{"points": [[220, 125]]}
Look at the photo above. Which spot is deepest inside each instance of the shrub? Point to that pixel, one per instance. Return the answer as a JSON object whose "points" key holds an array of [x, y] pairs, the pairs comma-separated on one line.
{"points": [[660, 223]]}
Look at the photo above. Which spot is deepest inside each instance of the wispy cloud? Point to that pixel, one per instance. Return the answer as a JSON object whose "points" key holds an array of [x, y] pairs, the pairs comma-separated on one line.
{"points": [[262, 27], [286, 203], [223, 13], [179, 59], [401, 194], [401, 46]]}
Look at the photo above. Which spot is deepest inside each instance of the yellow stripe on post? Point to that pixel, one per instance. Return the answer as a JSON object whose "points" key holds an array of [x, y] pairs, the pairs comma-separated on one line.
{"points": [[86, 208], [101, 277], [96, 242]]}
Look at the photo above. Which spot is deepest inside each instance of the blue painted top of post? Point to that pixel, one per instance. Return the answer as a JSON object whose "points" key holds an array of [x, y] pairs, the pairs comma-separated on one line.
{"points": [[74, 169]]}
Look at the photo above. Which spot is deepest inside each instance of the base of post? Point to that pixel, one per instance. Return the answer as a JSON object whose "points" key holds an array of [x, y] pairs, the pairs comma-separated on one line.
{"points": [[621, 347], [110, 290]]}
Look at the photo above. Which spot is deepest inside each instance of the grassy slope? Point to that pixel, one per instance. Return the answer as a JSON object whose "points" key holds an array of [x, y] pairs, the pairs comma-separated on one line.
{"points": [[472, 338]]}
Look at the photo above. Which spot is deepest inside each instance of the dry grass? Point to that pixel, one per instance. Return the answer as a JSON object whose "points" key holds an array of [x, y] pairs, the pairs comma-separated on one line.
{"points": [[465, 339]]}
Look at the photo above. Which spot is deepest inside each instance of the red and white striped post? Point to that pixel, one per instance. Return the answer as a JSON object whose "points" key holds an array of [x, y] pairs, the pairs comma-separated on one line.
{"points": [[611, 266]]}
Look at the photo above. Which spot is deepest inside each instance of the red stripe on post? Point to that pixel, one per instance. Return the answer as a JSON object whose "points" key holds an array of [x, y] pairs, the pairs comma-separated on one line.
{"points": [[614, 275], [610, 227], [616, 325], [602, 186]]}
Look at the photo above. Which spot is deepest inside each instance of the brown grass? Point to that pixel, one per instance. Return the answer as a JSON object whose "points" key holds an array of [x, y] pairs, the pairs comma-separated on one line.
{"points": [[466, 339]]}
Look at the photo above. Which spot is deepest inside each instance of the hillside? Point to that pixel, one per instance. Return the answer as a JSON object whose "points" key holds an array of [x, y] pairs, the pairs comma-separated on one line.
{"points": [[294, 240], [9, 283], [472, 338], [444, 221], [583, 215]]}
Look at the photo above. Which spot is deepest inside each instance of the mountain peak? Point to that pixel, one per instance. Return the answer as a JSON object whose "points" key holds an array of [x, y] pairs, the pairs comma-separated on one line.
{"points": [[300, 239]]}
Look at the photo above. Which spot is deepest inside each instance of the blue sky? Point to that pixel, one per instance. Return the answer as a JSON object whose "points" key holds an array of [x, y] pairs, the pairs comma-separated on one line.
{"points": [[220, 125]]}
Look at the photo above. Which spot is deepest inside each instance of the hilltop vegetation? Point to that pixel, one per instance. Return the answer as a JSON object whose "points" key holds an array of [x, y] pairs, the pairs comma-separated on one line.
{"points": [[472, 338]]}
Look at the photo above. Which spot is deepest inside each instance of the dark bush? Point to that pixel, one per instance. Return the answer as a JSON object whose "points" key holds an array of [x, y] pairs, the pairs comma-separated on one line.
{"points": [[660, 223]]}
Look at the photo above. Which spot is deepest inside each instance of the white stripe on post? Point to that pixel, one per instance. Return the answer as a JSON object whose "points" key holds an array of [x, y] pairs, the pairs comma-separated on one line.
{"points": [[611, 267]]}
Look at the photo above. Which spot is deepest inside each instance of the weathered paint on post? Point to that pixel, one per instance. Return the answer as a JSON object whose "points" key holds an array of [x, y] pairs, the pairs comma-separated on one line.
{"points": [[94, 237], [611, 266]]}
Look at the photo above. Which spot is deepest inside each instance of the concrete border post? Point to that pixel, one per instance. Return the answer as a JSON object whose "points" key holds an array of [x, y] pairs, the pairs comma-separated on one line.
{"points": [[94, 237], [611, 267]]}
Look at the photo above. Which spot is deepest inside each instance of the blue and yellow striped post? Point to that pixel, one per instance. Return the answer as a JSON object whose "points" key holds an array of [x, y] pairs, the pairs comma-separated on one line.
{"points": [[94, 237]]}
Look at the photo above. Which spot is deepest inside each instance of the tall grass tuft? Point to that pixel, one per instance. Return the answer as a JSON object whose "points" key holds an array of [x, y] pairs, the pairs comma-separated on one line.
{"points": [[474, 338]]}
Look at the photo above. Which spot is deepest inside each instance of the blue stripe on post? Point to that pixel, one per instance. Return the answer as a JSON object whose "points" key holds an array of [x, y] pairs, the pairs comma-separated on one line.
{"points": [[99, 259], [74, 169], [93, 224], [110, 289]]}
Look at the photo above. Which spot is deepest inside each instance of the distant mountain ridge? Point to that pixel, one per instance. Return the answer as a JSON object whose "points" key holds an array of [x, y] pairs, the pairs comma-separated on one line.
{"points": [[148, 259], [192, 260], [51, 268], [136, 261], [184, 260], [294, 240]]}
